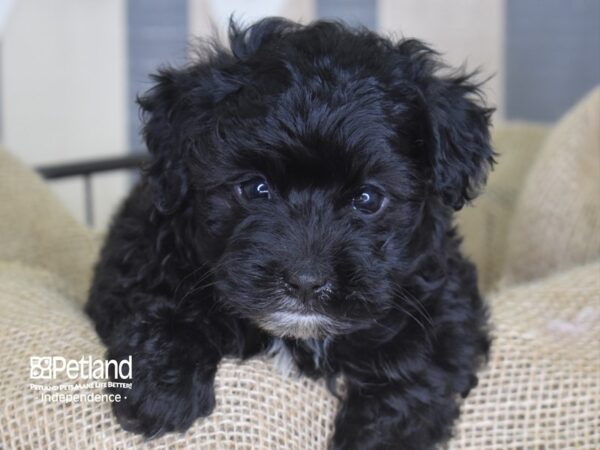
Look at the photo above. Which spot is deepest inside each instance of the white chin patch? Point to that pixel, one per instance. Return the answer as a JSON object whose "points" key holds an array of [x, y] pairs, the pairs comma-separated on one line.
{"points": [[283, 361], [296, 325]]}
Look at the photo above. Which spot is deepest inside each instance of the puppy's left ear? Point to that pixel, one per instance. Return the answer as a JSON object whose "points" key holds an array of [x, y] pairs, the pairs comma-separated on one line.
{"points": [[460, 152]]}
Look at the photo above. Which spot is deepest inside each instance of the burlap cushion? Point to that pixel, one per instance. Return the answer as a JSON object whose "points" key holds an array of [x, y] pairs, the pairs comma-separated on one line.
{"points": [[557, 220], [36, 229], [484, 224], [541, 389]]}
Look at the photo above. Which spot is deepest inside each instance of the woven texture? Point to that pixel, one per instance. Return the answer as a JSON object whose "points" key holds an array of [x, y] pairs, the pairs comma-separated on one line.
{"points": [[541, 389], [485, 223], [36, 229], [557, 219]]}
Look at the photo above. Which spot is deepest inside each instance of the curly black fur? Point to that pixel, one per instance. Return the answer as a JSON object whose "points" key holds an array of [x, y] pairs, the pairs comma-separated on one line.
{"points": [[193, 270]]}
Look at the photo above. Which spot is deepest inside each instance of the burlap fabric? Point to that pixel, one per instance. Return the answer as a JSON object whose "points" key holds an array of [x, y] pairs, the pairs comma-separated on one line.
{"points": [[36, 229], [557, 218], [540, 390], [484, 223]]}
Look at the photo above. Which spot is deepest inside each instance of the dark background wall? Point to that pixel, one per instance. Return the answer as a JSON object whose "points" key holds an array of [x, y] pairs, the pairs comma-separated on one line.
{"points": [[157, 31], [362, 12], [552, 56]]}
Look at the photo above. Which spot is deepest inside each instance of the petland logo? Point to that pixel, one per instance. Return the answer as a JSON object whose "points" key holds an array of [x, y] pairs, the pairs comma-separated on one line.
{"points": [[49, 367]]}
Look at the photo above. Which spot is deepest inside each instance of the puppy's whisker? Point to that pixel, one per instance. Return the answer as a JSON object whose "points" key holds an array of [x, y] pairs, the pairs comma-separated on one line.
{"points": [[185, 278], [427, 331], [194, 290], [199, 284], [414, 301]]}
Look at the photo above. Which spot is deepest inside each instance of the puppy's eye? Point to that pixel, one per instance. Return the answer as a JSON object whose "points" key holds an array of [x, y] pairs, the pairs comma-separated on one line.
{"points": [[369, 200], [254, 189]]}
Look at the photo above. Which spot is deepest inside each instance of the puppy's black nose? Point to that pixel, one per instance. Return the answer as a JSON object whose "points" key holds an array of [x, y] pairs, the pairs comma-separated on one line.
{"points": [[305, 285]]}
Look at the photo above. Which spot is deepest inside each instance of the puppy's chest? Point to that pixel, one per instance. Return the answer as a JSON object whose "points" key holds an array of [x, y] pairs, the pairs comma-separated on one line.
{"points": [[291, 359]]}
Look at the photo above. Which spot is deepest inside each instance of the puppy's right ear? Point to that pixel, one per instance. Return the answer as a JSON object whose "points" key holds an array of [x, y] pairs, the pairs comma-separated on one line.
{"points": [[176, 112], [162, 113]]}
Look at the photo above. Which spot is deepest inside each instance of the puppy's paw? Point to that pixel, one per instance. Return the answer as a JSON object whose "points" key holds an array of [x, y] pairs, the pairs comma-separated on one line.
{"points": [[154, 408], [172, 374]]}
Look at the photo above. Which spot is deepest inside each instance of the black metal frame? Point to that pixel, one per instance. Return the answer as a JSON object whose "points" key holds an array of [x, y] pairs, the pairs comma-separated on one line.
{"points": [[88, 168]]}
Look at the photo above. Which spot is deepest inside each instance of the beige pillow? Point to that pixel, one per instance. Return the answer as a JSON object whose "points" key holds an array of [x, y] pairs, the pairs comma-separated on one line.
{"points": [[484, 224], [541, 389], [37, 230], [557, 219]]}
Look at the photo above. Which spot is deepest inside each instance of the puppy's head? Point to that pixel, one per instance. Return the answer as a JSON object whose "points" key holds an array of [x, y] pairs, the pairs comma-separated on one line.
{"points": [[317, 163]]}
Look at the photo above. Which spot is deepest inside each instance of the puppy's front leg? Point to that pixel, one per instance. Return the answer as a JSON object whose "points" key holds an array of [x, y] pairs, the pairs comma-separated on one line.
{"points": [[393, 416], [174, 357]]}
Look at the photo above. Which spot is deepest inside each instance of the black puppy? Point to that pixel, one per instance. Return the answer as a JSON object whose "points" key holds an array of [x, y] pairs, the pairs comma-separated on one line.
{"points": [[300, 199]]}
